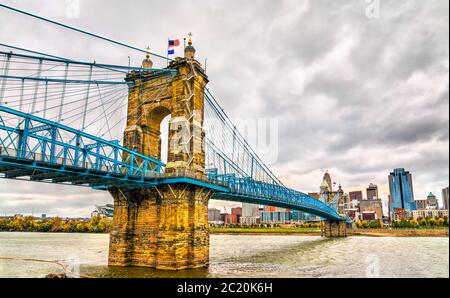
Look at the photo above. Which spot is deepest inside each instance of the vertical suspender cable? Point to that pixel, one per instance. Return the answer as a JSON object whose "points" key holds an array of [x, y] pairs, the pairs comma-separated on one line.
{"points": [[63, 92], [36, 87], [86, 100], [21, 95], [45, 100], [5, 73]]}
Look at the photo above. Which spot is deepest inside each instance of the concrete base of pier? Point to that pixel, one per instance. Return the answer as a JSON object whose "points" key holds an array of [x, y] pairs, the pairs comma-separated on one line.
{"points": [[164, 228], [334, 229]]}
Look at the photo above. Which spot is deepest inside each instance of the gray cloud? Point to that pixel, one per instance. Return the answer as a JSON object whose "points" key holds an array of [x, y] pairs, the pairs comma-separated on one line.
{"points": [[353, 95]]}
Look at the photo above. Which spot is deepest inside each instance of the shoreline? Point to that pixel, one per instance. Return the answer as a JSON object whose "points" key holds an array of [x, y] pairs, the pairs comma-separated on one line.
{"points": [[300, 232], [356, 232]]}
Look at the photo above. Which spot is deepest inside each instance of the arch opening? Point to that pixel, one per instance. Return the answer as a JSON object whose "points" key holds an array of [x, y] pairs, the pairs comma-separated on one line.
{"points": [[156, 143]]}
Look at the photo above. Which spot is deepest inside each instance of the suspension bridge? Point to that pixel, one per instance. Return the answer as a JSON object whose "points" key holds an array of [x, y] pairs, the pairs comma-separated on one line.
{"points": [[80, 123]]}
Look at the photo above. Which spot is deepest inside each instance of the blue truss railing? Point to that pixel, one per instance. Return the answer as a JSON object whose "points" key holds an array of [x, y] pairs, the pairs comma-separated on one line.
{"points": [[46, 150], [252, 191], [43, 143]]}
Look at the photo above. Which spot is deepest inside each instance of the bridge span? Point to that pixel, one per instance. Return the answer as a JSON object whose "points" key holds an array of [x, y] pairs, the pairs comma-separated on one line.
{"points": [[57, 122]]}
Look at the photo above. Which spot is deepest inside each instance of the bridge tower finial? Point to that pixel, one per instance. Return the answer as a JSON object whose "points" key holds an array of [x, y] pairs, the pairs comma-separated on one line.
{"points": [[147, 62], [189, 51]]}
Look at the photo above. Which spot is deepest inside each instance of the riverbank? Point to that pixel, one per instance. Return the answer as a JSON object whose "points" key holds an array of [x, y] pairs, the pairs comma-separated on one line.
{"points": [[401, 232], [266, 231], [316, 232]]}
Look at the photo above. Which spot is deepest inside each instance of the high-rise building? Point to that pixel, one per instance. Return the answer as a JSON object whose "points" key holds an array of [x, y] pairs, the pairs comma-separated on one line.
{"points": [[432, 201], [445, 197], [401, 190], [356, 196], [372, 192]]}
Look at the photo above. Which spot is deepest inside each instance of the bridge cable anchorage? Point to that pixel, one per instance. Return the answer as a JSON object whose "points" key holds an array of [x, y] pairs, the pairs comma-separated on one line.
{"points": [[84, 32]]}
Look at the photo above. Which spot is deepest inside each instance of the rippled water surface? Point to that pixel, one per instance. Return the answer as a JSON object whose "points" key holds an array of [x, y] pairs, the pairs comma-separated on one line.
{"points": [[239, 256]]}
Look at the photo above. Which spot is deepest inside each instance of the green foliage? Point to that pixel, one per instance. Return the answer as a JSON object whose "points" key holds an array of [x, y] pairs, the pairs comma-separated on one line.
{"points": [[55, 225], [429, 222]]}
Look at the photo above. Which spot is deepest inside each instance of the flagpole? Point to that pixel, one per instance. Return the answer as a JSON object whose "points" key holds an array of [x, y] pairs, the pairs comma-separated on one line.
{"points": [[168, 52]]}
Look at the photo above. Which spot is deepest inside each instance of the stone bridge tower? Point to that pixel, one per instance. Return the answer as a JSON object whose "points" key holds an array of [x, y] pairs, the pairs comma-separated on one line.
{"points": [[165, 227]]}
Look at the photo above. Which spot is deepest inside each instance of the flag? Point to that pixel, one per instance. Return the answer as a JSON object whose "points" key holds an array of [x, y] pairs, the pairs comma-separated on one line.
{"points": [[171, 52], [174, 43]]}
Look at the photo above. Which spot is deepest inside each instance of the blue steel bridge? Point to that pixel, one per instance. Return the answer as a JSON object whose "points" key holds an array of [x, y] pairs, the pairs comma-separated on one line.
{"points": [[62, 122]]}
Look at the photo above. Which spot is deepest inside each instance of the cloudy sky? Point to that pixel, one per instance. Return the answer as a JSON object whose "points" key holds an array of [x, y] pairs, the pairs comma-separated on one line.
{"points": [[356, 90]]}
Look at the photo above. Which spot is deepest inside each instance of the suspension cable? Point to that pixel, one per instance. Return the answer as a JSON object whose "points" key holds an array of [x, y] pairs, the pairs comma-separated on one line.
{"points": [[83, 31]]}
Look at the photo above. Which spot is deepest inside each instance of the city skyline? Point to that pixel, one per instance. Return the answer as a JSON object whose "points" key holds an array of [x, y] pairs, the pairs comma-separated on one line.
{"points": [[366, 107]]}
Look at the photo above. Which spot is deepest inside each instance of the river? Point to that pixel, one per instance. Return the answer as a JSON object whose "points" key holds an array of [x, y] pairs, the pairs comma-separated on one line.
{"points": [[236, 256]]}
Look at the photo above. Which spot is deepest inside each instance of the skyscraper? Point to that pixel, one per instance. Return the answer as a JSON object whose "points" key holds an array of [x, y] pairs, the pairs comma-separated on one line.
{"points": [[356, 196], [401, 190], [372, 192], [445, 197]]}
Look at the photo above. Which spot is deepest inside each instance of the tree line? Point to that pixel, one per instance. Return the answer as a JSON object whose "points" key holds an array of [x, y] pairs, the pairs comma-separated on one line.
{"points": [[424, 223], [56, 225]]}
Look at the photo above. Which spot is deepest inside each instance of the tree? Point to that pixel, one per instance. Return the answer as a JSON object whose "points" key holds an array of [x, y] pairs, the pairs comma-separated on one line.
{"points": [[414, 224], [432, 222]]}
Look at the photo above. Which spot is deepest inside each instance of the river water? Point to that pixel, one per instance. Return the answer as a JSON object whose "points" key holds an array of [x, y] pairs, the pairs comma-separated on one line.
{"points": [[236, 256]]}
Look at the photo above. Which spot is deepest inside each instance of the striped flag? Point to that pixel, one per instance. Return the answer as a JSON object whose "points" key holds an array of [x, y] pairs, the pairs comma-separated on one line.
{"points": [[172, 44]]}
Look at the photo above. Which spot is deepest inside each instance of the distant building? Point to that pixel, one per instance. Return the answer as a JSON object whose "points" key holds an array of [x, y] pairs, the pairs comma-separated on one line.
{"points": [[445, 198], [237, 211], [214, 215], [250, 220], [369, 215], [103, 211], [424, 213], [375, 206], [372, 192], [249, 210], [277, 217], [401, 191], [356, 196], [432, 201], [234, 217], [298, 216], [399, 214], [250, 214], [421, 204], [230, 219], [270, 209]]}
